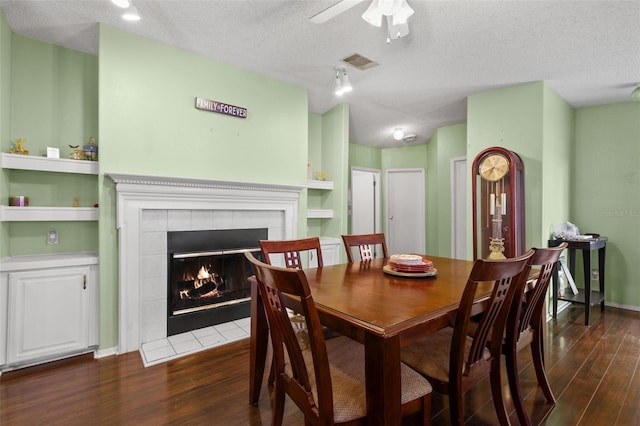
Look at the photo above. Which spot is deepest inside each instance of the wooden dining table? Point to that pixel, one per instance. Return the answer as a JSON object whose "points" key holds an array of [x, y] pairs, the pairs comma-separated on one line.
{"points": [[382, 311]]}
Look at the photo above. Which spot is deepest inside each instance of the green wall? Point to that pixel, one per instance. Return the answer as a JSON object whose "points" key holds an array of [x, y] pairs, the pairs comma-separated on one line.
{"points": [[514, 118], [367, 157], [149, 125], [335, 154], [605, 197], [5, 120], [53, 102], [448, 142]]}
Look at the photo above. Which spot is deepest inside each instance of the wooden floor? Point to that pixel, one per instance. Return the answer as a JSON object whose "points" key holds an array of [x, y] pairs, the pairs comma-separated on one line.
{"points": [[594, 374]]}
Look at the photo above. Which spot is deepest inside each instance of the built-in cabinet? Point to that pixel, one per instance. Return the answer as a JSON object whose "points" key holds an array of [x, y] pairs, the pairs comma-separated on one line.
{"points": [[49, 301], [330, 252], [50, 305]]}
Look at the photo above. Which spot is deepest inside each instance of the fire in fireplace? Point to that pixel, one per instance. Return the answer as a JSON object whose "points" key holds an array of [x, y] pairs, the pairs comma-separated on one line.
{"points": [[208, 273]]}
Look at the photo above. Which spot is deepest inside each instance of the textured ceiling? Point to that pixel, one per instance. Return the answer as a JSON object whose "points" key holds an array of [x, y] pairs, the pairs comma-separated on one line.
{"points": [[587, 51]]}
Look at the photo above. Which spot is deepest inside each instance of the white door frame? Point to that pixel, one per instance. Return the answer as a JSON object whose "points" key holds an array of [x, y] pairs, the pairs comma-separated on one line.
{"points": [[455, 188]]}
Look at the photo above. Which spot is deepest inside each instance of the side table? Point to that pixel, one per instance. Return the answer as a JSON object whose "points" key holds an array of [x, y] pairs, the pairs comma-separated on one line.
{"points": [[585, 296]]}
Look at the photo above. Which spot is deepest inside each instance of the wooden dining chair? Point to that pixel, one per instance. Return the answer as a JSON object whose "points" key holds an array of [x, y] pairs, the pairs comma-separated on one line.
{"points": [[366, 244], [454, 362], [524, 327], [291, 250], [326, 381]]}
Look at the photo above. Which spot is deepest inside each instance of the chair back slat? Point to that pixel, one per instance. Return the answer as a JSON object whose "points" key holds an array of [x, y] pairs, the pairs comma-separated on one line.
{"points": [[506, 275], [291, 251], [273, 283], [528, 307], [366, 244]]}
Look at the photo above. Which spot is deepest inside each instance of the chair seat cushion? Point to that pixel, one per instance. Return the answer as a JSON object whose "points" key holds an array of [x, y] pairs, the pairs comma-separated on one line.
{"points": [[430, 355], [346, 360]]}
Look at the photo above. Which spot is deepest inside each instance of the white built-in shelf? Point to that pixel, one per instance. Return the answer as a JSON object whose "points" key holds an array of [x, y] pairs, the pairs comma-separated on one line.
{"points": [[319, 213], [32, 214], [45, 164], [42, 261], [320, 184]]}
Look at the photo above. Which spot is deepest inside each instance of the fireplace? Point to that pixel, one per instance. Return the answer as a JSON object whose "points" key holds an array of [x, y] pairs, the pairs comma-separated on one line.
{"points": [[148, 207], [207, 278]]}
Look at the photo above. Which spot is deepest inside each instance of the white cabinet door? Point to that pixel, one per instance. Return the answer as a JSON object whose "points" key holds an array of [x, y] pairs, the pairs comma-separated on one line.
{"points": [[48, 313], [330, 252]]}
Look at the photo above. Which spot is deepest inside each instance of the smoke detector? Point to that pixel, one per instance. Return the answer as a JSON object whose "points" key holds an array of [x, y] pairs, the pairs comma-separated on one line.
{"points": [[409, 138]]}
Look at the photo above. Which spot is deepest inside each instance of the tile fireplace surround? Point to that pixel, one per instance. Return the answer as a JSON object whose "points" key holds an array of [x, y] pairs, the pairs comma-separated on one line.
{"points": [[150, 206]]}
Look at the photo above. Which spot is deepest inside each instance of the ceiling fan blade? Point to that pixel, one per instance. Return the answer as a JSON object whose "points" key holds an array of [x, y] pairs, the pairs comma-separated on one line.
{"points": [[334, 11]]}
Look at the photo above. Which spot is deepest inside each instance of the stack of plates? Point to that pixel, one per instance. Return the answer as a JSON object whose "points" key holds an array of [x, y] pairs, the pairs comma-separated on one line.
{"points": [[409, 265]]}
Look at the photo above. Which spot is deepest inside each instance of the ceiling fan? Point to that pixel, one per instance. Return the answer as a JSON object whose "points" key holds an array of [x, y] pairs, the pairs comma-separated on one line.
{"points": [[396, 13]]}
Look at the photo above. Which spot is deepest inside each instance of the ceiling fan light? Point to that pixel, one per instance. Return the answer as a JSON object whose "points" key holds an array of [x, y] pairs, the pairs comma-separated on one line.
{"points": [[403, 13], [372, 15], [397, 31], [635, 95], [389, 7]]}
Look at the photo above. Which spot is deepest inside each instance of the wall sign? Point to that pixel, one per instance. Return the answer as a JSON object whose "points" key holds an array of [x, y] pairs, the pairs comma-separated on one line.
{"points": [[221, 108]]}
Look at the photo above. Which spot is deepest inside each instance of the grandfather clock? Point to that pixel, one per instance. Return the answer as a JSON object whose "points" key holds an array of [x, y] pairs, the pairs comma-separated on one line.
{"points": [[498, 204]]}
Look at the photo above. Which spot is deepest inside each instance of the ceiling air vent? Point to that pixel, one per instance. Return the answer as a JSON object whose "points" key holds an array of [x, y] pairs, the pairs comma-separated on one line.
{"points": [[360, 62]]}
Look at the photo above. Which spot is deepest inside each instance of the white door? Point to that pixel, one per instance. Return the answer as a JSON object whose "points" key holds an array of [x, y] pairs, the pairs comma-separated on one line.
{"points": [[365, 201], [459, 208], [405, 211]]}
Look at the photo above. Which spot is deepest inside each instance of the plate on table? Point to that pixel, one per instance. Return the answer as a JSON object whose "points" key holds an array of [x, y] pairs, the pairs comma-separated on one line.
{"points": [[389, 270]]}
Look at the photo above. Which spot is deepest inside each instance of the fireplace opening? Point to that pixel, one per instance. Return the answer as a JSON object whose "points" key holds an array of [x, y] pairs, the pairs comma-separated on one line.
{"points": [[208, 276]]}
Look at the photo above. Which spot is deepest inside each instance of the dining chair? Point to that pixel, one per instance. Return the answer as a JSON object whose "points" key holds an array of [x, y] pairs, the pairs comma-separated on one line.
{"points": [[291, 256], [453, 361], [524, 327], [291, 250], [366, 244], [327, 380]]}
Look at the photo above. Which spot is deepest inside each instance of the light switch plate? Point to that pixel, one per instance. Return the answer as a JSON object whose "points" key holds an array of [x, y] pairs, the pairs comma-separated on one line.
{"points": [[52, 238]]}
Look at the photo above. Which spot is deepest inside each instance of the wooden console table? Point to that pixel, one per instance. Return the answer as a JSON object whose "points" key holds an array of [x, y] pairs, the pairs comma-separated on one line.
{"points": [[585, 296]]}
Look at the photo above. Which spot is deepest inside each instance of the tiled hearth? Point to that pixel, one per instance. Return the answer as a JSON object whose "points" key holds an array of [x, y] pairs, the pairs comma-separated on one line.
{"points": [[172, 347], [148, 207]]}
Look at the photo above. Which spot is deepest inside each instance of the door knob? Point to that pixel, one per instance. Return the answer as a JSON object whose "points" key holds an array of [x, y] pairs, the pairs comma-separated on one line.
{"points": [[390, 217]]}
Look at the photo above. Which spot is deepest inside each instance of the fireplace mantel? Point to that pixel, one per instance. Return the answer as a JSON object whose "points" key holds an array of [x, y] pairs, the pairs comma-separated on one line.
{"points": [[136, 193]]}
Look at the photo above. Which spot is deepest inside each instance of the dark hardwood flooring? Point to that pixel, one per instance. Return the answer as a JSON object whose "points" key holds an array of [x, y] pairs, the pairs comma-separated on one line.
{"points": [[594, 374]]}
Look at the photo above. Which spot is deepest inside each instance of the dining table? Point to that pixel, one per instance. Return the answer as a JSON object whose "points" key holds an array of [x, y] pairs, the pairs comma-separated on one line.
{"points": [[383, 311]]}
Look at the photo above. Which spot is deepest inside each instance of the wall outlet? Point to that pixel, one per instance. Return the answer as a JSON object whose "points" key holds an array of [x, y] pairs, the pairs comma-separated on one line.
{"points": [[595, 275], [52, 238]]}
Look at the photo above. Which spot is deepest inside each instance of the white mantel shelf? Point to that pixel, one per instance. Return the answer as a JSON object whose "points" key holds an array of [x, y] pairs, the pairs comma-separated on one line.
{"points": [[162, 181], [45, 164]]}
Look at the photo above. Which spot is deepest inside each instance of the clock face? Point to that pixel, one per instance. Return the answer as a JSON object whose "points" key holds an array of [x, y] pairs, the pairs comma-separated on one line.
{"points": [[494, 167]]}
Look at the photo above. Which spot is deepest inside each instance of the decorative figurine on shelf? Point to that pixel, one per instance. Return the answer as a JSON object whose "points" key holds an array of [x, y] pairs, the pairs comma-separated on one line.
{"points": [[75, 202], [19, 148], [91, 149], [77, 153]]}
